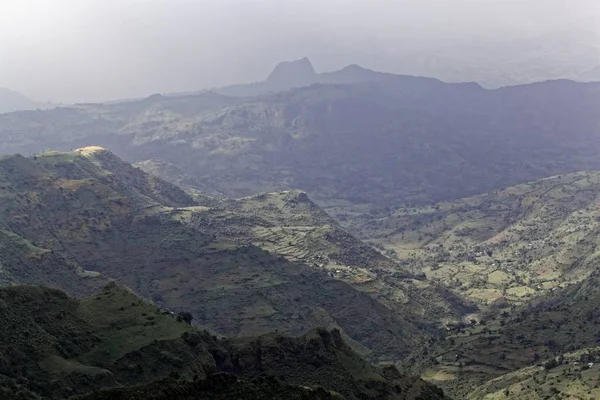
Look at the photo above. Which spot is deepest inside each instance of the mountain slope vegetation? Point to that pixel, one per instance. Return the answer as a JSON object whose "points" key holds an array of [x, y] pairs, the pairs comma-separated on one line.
{"points": [[571, 375], [528, 255], [241, 267], [510, 349], [116, 345], [507, 245]]}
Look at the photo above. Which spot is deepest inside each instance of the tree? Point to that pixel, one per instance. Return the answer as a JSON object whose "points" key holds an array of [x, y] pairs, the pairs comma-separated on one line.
{"points": [[185, 316], [552, 363]]}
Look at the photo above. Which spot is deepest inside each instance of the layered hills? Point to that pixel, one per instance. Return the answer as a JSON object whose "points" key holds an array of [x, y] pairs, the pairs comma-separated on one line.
{"points": [[400, 161], [114, 344], [242, 267], [359, 138], [276, 261]]}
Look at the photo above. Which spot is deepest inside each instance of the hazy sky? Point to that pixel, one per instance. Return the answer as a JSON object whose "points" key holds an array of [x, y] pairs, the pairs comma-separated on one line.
{"points": [[91, 50]]}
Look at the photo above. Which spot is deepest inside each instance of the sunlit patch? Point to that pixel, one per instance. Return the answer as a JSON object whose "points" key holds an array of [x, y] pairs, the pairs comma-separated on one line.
{"points": [[90, 150]]}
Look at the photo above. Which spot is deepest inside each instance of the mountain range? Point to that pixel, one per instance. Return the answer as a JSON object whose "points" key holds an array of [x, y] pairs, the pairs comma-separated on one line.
{"points": [[241, 267], [373, 139], [297, 237], [81, 220], [300, 73], [275, 261]]}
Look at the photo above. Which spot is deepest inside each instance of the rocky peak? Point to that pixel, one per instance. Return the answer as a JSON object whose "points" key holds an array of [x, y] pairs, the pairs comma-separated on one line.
{"points": [[293, 74]]}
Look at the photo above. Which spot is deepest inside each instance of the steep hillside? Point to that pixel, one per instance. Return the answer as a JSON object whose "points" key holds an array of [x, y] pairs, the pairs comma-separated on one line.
{"points": [[241, 267], [528, 255], [572, 376], [503, 349], [511, 244], [290, 225], [21, 262], [56, 347], [360, 138]]}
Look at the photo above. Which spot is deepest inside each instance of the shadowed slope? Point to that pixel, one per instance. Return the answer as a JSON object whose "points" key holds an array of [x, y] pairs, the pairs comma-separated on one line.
{"points": [[110, 220], [360, 138], [54, 346]]}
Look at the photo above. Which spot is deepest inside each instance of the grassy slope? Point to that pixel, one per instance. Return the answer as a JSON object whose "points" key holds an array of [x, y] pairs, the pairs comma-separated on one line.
{"points": [[104, 217], [573, 378], [512, 244], [56, 346], [540, 282], [124, 323], [560, 322], [291, 225]]}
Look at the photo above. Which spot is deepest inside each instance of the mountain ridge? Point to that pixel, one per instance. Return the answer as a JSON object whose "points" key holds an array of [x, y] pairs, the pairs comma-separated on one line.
{"points": [[322, 138], [240, 266], [114, 343], [289, 75]]}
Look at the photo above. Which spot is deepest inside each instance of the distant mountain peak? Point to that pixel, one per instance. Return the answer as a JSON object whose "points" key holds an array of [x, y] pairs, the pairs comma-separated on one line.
{"points": [[293, 73], [14, 101], [302, 65], [354, 67]]}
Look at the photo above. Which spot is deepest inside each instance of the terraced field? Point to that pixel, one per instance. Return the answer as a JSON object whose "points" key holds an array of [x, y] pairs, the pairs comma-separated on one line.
{"points": [[509, 245], [575, 376], [239, 266]]}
